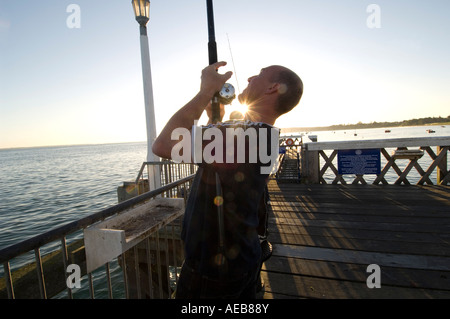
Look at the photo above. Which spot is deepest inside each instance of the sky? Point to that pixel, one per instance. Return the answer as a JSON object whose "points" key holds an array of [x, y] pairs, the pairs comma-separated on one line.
{"points": [[75, 77]]}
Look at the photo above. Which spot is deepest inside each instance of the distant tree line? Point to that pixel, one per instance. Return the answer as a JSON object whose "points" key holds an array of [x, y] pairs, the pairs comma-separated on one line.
{"points": [[413, 122]]}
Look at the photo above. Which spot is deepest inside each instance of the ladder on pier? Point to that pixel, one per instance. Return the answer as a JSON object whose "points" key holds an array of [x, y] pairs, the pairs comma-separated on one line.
{"points": [[289, 170]]}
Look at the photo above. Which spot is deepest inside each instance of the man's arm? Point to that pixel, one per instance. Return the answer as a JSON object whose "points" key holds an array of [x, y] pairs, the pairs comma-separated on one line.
{"points": [[211, 83]]}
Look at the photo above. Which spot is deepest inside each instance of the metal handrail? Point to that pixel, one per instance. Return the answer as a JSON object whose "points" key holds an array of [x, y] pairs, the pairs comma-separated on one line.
{"points": [[55, 234], [145, 164]]}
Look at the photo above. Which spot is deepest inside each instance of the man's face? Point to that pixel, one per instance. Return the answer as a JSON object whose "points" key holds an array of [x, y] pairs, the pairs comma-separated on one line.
{"points": [[257, 87]]}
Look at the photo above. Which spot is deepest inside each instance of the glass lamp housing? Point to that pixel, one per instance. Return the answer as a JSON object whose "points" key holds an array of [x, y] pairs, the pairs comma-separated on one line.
{"points": [[141, 10]]}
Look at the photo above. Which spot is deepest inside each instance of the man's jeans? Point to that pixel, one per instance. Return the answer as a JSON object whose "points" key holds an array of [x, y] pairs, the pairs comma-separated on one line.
{"points": [[192, 285]]}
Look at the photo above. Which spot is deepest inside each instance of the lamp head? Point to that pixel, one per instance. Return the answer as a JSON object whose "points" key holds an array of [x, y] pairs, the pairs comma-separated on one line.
{"points": [[141, 11]]}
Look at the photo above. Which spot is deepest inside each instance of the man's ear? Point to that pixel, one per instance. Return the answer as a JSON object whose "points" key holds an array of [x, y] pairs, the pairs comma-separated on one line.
{"points": [[274, 88]]}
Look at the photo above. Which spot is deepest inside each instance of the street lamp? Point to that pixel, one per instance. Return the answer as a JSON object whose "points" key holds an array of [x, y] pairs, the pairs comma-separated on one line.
{"points": [[142, 13]]}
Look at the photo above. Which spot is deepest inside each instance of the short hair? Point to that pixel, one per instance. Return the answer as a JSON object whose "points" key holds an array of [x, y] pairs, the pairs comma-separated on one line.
{"points": [[236, 115], [291, 90]]}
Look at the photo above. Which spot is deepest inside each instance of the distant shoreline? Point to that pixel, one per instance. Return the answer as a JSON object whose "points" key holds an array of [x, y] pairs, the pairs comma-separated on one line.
{"points": [[339, 127], [435, 121]]}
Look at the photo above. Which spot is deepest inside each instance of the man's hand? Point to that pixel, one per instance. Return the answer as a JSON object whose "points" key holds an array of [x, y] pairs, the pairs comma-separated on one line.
{"points": [[212, 81]]}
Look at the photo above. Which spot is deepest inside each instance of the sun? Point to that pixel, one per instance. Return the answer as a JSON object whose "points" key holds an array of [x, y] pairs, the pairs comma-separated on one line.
{"points": [[243, 108]]}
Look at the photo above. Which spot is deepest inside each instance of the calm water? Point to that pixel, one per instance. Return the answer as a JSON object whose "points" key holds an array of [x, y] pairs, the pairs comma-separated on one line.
{"points": [[42, 188]]}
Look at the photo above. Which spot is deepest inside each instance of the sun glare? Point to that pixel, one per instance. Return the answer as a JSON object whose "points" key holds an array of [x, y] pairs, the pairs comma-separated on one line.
{"points": [[243, 108]]}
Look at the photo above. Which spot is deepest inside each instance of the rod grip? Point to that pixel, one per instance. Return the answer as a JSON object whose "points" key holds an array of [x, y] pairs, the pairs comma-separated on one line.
{"points": [[212, 52]]}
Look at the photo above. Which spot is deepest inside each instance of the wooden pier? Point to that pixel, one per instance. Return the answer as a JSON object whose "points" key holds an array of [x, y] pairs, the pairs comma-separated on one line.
{"points": [[326, 236], [333, 238]]}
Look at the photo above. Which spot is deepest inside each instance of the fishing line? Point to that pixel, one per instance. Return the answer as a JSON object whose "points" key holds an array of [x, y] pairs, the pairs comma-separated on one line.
{"points": [[234, 67]]}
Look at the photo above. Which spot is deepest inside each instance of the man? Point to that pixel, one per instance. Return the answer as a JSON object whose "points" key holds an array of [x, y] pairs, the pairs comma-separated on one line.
{"points": [[222, 248]]}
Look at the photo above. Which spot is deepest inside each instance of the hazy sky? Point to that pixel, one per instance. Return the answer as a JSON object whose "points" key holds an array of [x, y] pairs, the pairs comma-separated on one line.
{"points": [[83, 85]]}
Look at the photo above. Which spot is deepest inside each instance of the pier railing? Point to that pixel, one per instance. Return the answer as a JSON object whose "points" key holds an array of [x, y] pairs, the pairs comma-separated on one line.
{"points": [[319, 161], [167, 170], [147, 270]]}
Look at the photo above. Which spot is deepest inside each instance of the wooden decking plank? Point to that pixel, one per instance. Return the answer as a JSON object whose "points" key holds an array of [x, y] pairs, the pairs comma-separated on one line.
{"points": [[376, 205], [364, 225], [371, 245], [359, 216], [358, 234], [364, 192], [324, 237], [379, 209], [395, 200], [310, 287], [438, 189], [391, 276], [419, 211], [364, 257]]}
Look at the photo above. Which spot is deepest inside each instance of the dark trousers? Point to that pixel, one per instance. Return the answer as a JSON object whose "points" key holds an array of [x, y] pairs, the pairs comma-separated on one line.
{"points": [[192, 285]]}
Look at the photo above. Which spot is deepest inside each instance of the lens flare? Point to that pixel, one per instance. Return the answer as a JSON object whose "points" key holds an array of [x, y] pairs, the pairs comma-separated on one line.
{"points": [[243, 108], [218, 201]]}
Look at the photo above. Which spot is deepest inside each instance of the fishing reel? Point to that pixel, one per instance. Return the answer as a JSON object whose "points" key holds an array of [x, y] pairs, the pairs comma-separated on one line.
{"points": [[227, 94]]}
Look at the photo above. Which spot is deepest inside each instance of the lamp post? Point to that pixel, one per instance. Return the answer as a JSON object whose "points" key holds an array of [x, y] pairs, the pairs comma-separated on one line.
{"points": [[142, 13]]}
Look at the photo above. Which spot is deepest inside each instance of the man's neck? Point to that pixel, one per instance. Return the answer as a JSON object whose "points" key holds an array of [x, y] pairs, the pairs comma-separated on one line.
{"points": [[262, 110], [258, 117]]}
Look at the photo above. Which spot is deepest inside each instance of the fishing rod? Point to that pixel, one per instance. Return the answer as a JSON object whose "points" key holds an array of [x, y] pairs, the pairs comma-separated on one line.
{"points": [[227, 94]]}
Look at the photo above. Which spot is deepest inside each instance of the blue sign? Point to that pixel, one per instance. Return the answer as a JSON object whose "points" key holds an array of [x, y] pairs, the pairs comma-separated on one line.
{"points": [[359, 162]]}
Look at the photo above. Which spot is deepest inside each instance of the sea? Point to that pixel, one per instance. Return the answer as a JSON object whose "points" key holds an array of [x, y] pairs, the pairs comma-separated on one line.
{"points": [[45, 187]]}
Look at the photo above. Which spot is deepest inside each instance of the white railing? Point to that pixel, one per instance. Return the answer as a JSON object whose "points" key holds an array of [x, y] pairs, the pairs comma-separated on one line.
{"points": [[319, 161]]}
